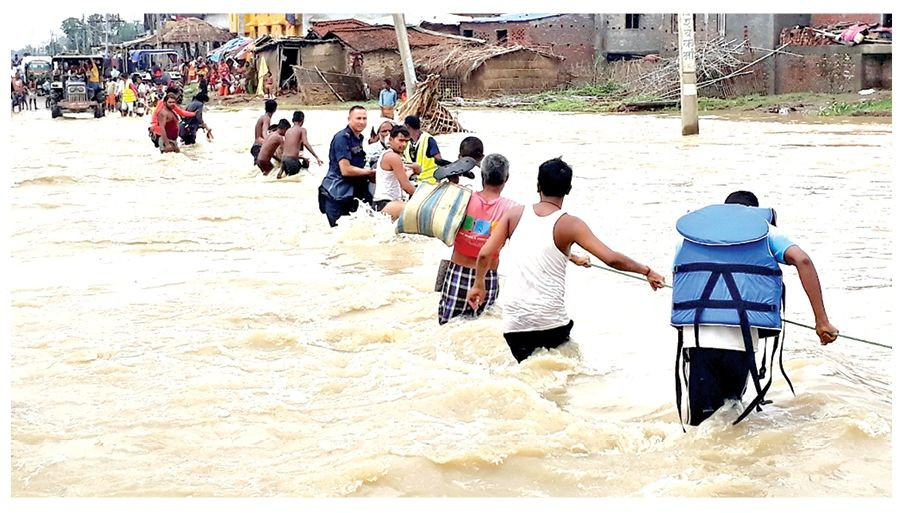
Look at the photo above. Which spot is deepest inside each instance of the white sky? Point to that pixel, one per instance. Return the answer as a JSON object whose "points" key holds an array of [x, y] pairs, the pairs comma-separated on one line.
{"points": [[44, 17], [37, 30]]}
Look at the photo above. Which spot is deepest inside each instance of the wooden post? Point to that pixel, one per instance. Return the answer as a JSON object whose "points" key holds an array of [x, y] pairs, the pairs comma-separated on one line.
{"points": [[408, 67], [687, 75]]}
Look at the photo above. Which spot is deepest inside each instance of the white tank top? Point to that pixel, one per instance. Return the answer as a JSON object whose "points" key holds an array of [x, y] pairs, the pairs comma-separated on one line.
{"points": [[535, 290], [387, 185]]}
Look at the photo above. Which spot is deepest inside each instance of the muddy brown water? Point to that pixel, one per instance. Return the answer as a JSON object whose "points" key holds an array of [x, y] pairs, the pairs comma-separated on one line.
{"points": [[184, 326]]}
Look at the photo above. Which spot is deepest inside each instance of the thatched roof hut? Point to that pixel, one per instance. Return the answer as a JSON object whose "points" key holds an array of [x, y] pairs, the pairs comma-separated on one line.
{"points": [[481, 71], [193, 30], [193, 36]]}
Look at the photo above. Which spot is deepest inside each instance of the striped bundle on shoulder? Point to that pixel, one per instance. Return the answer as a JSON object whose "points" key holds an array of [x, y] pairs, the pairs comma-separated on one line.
{"points": [[435, 210]]}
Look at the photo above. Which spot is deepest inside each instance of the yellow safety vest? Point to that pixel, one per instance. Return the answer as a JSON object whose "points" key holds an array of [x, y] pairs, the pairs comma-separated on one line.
{"points": [[128, 94], [428, 166]]}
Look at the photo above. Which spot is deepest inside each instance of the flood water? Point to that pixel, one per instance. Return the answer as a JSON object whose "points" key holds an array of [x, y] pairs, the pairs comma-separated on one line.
{"points": [[182, 326]]}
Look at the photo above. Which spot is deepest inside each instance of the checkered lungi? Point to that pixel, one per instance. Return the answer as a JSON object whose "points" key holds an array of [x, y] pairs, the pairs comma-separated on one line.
{"points": [[454, 295]]}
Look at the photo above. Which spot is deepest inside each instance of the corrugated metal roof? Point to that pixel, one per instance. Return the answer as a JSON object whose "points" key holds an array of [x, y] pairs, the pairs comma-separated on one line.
{"points": [[513, 18], [292, 42]]}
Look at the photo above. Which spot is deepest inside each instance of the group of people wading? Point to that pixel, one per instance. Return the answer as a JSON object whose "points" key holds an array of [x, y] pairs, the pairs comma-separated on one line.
{"points": [[727, 282]]}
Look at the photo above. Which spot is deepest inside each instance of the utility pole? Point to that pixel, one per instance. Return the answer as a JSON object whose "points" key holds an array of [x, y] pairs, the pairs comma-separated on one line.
{"points": [[408, 67], [687, 75], [107, 17]]}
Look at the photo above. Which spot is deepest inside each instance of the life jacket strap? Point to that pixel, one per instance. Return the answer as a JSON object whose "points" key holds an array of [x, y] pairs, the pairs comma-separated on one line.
{"points": [[678, 380], [727, 268], [749, 349], [724, 304]]}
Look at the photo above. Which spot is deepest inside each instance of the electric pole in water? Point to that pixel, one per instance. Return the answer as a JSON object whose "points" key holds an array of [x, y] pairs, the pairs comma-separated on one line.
{"points": [[408, 67], [687, 75]]}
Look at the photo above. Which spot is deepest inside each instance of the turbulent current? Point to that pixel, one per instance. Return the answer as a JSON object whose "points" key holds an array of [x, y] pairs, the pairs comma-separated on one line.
{"points": [[182, 325]]}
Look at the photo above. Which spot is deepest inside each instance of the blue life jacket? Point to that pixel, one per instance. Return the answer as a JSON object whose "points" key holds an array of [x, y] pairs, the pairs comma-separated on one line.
{"points": [[724, 272], [725, 275]]}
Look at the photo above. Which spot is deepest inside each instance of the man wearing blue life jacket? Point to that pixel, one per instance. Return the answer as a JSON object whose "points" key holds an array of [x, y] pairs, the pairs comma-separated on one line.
{"points": [[728, 293], [347, 178]]}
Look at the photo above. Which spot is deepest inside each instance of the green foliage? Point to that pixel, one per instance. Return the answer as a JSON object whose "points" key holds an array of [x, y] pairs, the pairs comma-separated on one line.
{"points": [[602, 90], [835, 108]]}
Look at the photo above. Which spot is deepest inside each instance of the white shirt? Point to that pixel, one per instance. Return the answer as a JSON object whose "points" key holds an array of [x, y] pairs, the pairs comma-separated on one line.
{"points": [[387, 185], [535, 292], [718, 337]]}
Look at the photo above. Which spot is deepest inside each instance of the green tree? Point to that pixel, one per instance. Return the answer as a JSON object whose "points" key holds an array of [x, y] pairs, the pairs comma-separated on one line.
{"points": [[75, 33], [128, 31]]}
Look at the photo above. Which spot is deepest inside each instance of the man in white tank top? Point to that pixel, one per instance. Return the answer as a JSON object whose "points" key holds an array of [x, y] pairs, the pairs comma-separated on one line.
{"points": [[535, 315], [392, 176]]}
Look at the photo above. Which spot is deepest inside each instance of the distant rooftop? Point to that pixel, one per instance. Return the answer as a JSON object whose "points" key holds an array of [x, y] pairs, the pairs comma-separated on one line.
{"points": [[513, 17], [383, 37]]}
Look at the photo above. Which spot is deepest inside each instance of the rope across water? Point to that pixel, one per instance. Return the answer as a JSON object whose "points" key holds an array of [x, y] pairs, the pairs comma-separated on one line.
{"points": [[840, 335]]}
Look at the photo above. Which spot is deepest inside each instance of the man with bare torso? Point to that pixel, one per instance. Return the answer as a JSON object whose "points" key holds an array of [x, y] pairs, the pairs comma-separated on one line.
{"points": [[270, 106], [296, 139], [273, 142], [18, 91], [168, 122]]}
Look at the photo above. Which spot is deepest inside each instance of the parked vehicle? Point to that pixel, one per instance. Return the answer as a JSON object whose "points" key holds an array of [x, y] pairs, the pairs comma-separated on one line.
{"points": [[37, 68], [70, 90], [143, 62]]}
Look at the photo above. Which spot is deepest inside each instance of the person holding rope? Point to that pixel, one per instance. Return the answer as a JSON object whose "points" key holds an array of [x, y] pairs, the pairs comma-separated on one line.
{"points": [[541, 237], [727, 293]]}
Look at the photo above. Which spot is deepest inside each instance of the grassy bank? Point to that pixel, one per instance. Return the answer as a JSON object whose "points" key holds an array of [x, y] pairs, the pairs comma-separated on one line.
{"points": [[600, 99]]}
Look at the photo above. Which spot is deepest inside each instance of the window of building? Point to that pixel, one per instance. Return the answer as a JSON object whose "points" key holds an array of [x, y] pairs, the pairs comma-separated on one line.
{"points": [[502, 35], [468, 33], [632, 21], [887, 20]]}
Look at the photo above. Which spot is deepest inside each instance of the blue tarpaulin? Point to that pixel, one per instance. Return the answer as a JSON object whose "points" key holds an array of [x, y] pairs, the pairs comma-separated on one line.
{"points": [[228, 47]]}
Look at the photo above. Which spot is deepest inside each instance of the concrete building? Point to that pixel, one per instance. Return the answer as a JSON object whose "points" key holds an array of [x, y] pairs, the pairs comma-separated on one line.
{"points": [[374, 51], [271, 24], [574, 37], [628, 36]]}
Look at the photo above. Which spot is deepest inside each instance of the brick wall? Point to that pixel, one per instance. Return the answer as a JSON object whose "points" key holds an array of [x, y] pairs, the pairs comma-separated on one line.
{"points": [[327, 57], [379, 65], [822, 20], [820, 69], [878, 71], [570, 36]]}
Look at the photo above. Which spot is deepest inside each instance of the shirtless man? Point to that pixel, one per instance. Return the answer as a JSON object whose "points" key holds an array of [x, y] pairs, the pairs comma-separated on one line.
{"points": [[169, 123], [296, 138], [273, 142], [18, 90], [268, 85], [270, 106]]}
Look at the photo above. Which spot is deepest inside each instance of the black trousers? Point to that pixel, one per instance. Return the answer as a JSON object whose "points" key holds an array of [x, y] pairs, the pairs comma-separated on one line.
{"points": [[523, 343], [714, 376]]}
